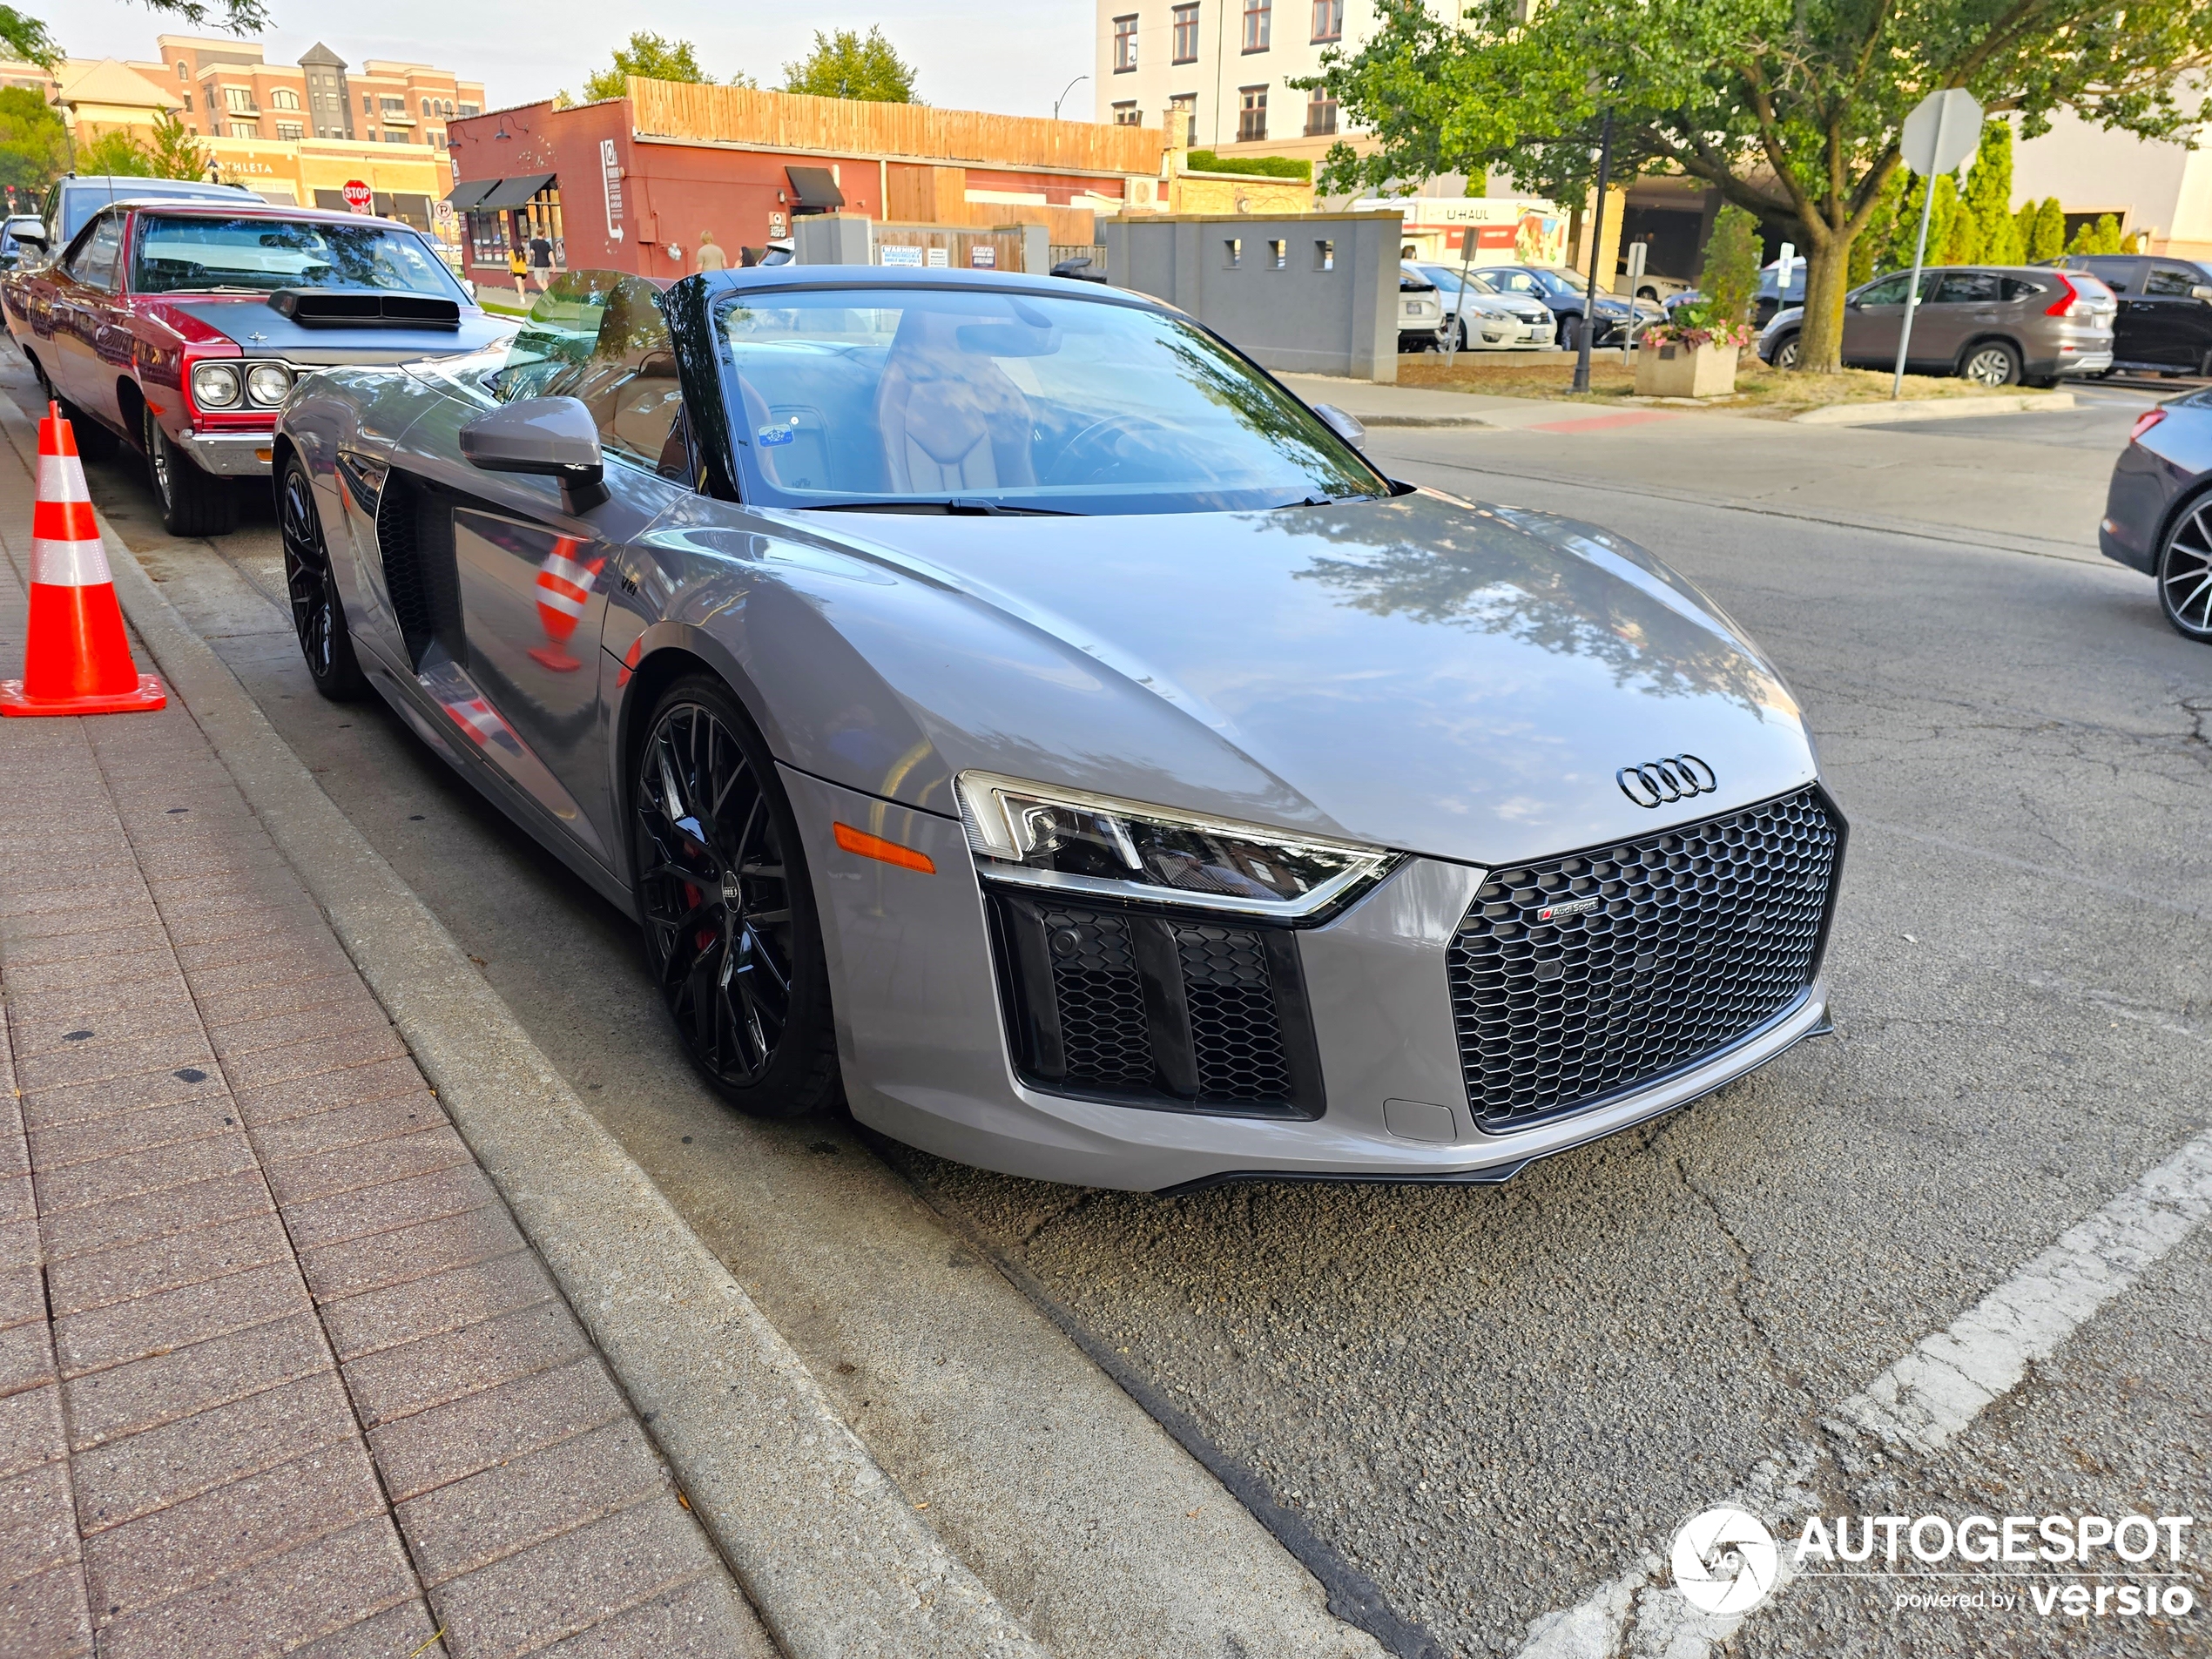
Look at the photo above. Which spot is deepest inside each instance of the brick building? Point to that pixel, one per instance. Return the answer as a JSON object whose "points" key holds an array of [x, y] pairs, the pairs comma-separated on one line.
{"points": [[230, 90]]}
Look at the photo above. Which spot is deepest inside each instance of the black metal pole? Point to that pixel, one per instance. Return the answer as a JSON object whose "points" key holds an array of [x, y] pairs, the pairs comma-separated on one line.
{"points": [[1597, 249]]}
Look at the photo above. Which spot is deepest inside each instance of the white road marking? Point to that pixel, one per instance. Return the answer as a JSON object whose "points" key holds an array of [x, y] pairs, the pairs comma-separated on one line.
{"points": [[1926, 1401]]}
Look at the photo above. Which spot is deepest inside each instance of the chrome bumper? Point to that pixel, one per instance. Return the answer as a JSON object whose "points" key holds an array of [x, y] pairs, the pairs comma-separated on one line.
{"points": [[230, 455], [2086, 363]]}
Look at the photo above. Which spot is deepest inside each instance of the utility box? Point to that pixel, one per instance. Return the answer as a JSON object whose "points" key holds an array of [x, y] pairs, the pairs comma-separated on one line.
{"points": [[829, 239], [1315, 293]]}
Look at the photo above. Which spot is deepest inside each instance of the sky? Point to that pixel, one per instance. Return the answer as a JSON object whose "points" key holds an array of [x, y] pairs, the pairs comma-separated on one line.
{"points": [[1013, 59]]}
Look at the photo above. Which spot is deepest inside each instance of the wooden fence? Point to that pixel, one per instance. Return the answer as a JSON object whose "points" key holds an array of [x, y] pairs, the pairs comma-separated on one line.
{"points": [[739, 115]]}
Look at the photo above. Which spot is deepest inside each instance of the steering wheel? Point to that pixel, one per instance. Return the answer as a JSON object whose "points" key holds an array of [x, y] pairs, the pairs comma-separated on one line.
{"points": [[1128, 425]]}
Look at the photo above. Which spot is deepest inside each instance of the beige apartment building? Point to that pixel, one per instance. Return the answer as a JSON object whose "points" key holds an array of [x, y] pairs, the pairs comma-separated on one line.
{"points": [[230, 90]]}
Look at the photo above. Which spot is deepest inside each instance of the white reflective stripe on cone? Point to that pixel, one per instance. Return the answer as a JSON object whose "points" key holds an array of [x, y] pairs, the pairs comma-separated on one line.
{"points": [[61, 478], [69, 565]]}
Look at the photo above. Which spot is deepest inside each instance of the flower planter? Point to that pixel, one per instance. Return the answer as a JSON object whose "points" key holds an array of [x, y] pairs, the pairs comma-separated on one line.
{"points": [[1676, 369]]}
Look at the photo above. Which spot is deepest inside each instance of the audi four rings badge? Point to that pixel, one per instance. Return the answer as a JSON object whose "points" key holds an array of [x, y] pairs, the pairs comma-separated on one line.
{"points": [[1657, 782]]}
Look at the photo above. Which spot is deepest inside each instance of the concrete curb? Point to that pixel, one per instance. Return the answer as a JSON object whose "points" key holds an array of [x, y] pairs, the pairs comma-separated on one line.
{"points": [[1935, 409], [824, 1543], [1430, 421]]}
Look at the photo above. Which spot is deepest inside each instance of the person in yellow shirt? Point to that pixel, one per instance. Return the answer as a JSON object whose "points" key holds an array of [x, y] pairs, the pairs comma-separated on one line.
{"points": [[520, 269]]}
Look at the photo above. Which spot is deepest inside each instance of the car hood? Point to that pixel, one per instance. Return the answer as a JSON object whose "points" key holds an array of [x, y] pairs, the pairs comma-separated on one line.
{"points": [[262, 331], [1420, 672], [1789, 317]]}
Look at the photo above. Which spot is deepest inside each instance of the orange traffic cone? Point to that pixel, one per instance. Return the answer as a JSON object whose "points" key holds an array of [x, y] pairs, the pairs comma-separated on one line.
{"points": [[564, 587], [77, 660]]}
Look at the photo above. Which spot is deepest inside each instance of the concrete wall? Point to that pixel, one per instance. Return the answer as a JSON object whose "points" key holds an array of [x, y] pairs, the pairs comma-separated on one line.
{"points": [[2161, 188], [1297, 315]]}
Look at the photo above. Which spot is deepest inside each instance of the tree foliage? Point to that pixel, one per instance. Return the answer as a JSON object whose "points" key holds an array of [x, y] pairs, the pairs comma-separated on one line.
{"points": [[1792, 109], [26, 37], [175, 152], [844, 64], [34, 145], [648, 57], [2046, 235], [116, 152], [2099, 236]]}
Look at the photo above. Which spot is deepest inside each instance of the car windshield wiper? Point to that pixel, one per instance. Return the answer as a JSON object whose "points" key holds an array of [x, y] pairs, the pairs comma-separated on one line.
{"points": [[961, 504]]}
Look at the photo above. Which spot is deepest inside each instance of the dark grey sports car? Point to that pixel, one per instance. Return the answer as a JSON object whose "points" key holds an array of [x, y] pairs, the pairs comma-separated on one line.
{"points": [[1002, 703]]}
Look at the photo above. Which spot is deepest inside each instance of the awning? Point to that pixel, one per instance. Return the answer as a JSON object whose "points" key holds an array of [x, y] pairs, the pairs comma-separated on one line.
{"points": [[814, 187], [514, 193], [470, 192]]}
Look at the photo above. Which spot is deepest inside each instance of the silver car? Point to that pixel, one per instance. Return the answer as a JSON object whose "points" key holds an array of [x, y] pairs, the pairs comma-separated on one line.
{"points": [[1483, 318], [1003, 706]]}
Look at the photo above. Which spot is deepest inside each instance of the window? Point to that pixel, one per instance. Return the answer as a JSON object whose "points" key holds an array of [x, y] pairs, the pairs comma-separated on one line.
{"points": [[1258, 19], [1278, 256], [369, 104], [447, 110], [239, 99], [245, 129], [1184, 107], [1124, 44], [395, 137], [393, 105], [183, 74], [187, 97], [1967, 288], [1252, 113], [2173, 280], [625, 375], [1321, 114], [92, 261], [1890, 290], [283, 99], [1232, 248], [467, 110], [1125, 114], [1185, 38], [1324, 256], [1328, 20], [291, 130]]}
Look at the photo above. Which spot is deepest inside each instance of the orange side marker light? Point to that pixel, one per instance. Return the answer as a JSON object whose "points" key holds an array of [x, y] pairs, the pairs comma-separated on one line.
{"points": [[874, 846]]}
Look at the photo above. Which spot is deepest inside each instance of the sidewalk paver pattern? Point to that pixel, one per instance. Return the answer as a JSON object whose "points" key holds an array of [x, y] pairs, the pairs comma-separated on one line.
{"points": [[278, 1372]]}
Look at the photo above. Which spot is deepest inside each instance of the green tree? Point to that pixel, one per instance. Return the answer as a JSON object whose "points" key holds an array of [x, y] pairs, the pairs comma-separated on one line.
{"points": [[1989, 185], [34, 145], [2048, 240], [648, 57], [26, 37], [2100, 237], [175, 153], [1790, 108], [1730, 279], [844, 65], [116, 152]]}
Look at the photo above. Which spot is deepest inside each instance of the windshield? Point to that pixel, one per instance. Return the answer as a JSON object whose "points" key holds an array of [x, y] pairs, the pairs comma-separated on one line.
{"points": [[181, 255], [1552, 283], [959, 399]]}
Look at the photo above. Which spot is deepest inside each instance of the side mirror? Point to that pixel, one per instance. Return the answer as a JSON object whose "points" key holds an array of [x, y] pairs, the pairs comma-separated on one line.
{"points": [[1344, 426], [553, 437], [29, 238], [2201, 291]]}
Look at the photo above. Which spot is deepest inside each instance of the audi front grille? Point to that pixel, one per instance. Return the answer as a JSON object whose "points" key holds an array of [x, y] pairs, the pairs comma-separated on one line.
{"points": [[1699, 937], [1145, 1009]]}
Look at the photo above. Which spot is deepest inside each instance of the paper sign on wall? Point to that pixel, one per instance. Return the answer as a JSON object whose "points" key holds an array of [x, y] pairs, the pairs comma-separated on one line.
{"points": [[982, 257], [940, 258], [891, 255]]}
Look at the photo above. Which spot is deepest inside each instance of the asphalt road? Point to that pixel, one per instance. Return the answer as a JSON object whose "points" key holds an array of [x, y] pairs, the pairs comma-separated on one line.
{"points": [[1483, 1404]]}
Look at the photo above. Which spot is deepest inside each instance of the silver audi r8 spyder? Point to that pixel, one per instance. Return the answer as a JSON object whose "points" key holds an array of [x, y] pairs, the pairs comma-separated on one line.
{"points": [[1007, 709]]}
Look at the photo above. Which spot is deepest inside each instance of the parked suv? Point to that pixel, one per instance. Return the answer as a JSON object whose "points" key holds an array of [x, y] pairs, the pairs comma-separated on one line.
{"points": [[1420, 312], [2164, 322], [74, 198], [1997, 324]]}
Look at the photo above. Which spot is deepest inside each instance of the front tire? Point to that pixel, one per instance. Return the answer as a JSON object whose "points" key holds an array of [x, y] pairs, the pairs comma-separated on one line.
{"points": [[1993, 362], [1788, 351], [2185, 572], [193, 503], [730, 931], [318, 614]]}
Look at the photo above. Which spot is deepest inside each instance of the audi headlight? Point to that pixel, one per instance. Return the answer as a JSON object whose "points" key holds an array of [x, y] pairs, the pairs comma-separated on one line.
{"points": [[1044, 836], [269, 384], [215, 385]]}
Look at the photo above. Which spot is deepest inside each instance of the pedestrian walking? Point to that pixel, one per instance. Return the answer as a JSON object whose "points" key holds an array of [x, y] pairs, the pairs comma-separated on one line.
{"points": [[541, 260], [712, 258], [518, 266]]}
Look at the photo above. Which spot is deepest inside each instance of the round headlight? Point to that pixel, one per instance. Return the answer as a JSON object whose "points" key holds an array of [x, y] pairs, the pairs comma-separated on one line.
{"points": [[215, 385], [267, 383]]}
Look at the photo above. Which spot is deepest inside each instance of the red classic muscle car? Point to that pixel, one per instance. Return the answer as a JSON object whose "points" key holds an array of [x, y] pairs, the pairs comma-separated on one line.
{"points": [[179, 327]]}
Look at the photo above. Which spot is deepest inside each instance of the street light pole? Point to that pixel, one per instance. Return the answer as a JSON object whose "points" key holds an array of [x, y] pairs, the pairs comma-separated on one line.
{"points": [[1064, 90], [1597, 248]]}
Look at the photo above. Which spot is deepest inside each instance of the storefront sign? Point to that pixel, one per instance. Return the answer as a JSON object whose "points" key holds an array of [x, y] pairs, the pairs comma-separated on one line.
{"points": [[611, 181]]}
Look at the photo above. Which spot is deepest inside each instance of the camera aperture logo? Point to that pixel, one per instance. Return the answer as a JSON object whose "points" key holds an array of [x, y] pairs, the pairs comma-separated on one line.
{"points": [[1725, 1562]]}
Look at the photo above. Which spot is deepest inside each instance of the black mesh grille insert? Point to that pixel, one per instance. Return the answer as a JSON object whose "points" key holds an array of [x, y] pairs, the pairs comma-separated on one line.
{"points": [[1700, 936], [1100, 1000], [1236, 1036], [1146, 1007]]}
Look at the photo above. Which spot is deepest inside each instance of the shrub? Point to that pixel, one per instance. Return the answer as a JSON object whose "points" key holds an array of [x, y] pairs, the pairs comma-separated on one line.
{"points": [[1256, 166], [1730, 279], [2047, 241]]}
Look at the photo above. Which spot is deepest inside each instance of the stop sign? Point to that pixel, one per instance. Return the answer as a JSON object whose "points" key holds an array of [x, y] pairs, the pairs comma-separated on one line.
{"points": [[359, 196]]}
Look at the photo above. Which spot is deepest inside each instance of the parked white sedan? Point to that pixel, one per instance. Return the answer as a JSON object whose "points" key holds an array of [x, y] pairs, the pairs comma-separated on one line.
{"points": [[1484, 319]]}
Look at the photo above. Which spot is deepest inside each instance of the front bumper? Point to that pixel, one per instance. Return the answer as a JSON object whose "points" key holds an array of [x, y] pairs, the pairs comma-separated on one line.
{"points": [[927, 1055], [230, 455]]}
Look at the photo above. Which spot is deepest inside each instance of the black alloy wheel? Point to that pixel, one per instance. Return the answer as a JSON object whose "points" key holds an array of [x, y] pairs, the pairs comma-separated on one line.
{"points": [[194, 503], [731, 932], [1991, 362], [2185, 572], [318, 614]]}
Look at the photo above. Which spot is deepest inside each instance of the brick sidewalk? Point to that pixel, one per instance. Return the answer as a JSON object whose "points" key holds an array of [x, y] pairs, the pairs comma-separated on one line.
{"points": [[278, 1373]]}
